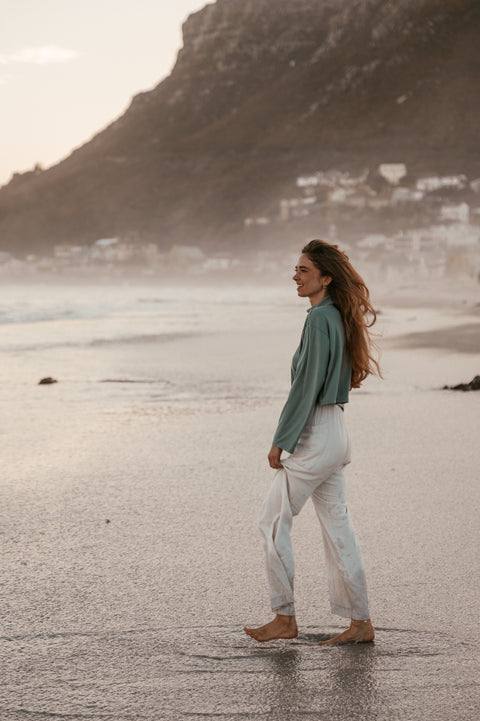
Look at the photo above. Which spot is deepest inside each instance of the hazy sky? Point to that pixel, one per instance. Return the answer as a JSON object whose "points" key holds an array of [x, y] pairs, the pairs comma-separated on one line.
{"points": [[69, 67]]}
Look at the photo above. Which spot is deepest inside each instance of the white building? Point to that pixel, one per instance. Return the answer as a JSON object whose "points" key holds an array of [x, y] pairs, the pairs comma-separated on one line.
{"points": [[433, 182], [393, 172], [405, 195], [459, 212], [331, 178], [296, 207], [104, 249]]}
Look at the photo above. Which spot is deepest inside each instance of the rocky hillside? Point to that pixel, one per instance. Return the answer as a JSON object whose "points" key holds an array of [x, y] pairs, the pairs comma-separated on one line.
{"points": [[261, 92]]}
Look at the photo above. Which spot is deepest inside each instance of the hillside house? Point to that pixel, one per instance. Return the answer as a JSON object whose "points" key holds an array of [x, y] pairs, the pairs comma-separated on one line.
{"points": [[458, 212], [392, 172], [403, 194], [432, 183], [296, 207], [104, 249]]}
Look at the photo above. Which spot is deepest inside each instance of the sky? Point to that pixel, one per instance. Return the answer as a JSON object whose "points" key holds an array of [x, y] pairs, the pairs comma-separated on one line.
{"points": [[70, 67]]}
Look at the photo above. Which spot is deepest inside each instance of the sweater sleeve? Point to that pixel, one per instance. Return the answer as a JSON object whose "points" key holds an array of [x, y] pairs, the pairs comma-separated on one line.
{"points": [[306, 385]]}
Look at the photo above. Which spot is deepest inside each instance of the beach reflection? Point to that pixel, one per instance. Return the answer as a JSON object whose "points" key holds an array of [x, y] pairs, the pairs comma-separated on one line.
{"points": [[288, 685], [353, 685], [340, 681]]}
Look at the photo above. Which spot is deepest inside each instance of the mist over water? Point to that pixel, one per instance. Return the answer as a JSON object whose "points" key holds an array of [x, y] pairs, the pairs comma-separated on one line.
{"points": [[130, 491]]}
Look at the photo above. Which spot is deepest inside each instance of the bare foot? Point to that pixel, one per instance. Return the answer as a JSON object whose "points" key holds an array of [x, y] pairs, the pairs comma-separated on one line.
{"points": [[281, 627], [359, 632]]}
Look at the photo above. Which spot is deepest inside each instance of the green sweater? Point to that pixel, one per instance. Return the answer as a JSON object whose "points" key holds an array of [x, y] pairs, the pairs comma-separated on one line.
{"points": [[321, 372]]}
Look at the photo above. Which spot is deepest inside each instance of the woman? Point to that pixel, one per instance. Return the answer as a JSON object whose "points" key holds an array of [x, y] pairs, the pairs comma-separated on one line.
{"points": [[334, 356]]}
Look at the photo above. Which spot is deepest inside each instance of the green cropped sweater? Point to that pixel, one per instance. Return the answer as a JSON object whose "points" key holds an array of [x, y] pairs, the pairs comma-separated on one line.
{"points": [[321, 372]]}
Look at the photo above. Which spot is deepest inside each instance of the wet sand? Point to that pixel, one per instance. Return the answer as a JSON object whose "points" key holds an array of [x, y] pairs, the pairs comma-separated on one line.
{"points": [[131, 559], [463, 338]]}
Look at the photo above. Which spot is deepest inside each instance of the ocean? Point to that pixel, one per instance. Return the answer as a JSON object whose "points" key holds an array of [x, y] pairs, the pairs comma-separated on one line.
{"points": [[130, 490]]}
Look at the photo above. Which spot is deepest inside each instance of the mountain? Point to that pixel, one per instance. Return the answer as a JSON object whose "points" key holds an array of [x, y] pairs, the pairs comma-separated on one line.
{"points": [[262, 91]]}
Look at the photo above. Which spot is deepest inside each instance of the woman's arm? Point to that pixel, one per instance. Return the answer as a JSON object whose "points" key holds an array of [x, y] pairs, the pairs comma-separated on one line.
{"points": [[309, 378]]}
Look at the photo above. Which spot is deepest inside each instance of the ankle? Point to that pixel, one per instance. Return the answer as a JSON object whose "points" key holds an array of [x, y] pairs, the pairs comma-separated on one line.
{"points": [[284, 618]]}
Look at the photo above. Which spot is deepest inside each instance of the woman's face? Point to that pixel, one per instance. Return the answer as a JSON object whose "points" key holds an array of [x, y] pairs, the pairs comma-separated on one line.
{"points": [[310, 281]]}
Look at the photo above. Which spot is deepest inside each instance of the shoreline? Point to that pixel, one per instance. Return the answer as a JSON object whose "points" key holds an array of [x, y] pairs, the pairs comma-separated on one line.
{"points": [[464, 338]]}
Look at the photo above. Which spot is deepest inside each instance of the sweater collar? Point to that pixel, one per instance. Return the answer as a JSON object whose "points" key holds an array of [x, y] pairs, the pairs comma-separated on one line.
{"points": [[325, 301]]}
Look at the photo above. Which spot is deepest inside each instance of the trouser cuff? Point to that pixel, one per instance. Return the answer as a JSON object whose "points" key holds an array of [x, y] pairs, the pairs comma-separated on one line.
{"points": [[288, 610]]}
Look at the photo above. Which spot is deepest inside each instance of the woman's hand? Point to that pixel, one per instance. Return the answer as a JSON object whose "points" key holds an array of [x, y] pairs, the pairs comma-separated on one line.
{"points": [[274, 457]]}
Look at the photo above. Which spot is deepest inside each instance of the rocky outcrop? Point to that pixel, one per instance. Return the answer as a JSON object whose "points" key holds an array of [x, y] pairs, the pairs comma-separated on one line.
{"points": [[473, 385], [260, 92]]}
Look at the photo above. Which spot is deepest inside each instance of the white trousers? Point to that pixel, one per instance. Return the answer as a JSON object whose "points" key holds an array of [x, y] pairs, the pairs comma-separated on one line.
{"points": [[315, 469]]}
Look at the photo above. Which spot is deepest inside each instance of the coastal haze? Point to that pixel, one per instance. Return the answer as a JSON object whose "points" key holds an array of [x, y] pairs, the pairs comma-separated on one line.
{"points": [[149, 275]]}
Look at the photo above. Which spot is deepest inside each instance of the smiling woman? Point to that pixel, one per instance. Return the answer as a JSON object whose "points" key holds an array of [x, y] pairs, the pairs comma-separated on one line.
{"points": [[334, 356], [350, 294]]}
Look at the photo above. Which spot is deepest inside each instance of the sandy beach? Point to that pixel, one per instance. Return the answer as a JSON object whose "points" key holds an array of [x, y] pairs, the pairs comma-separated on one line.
{"points": [[131, 558]]}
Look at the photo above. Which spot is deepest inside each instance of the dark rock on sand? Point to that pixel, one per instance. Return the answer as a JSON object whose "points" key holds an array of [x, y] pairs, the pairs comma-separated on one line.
{"points": [[474, 385], [47, 381]]}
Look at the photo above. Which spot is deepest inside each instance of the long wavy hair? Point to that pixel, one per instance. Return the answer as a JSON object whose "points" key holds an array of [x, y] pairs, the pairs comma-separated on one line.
{"points": [[351, 296]]}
